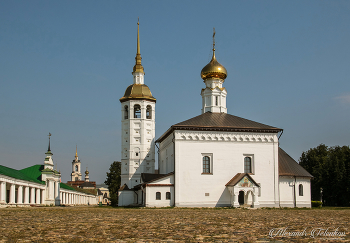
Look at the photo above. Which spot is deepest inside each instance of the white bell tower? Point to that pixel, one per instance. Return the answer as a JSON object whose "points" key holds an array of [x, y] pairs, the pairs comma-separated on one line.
{"points": [[214, 94], [76, 167], [138, 127]]}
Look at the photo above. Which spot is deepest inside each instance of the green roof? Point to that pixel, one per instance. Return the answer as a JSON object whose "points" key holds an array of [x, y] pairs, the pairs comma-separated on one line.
{"points": [[33, 171], [65, 186], [19, 174]]}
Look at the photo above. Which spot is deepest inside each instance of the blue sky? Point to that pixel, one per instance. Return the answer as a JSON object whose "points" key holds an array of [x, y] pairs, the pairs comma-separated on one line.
{"points": [[65, 64]]}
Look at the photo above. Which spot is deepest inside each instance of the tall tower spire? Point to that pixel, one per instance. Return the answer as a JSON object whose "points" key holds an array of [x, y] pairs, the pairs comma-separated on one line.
{"points": [[138, 127], [49, 149], [138, 66]]}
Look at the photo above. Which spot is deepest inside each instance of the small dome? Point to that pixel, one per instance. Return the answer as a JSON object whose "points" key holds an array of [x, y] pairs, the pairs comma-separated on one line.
{"points": [[213, 69], [137, 91], [86, 172]]}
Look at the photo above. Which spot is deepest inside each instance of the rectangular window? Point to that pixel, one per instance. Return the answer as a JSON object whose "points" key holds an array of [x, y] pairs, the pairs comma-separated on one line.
{"points": [[158, 196], [167, 196]]}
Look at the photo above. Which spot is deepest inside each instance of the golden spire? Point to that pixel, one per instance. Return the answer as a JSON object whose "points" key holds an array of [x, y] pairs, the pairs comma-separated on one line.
{"points": [[76, 151], [213, 43], [138, 67], [214, 69]]}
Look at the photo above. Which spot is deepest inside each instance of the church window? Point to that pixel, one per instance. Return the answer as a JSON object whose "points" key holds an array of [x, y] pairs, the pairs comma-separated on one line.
{"points": [[216, 100], [167, 196], [76, 168], [149, 112], [126, 112], [206, 165], [301, 193], [137, 154], [247, 165], [158, 196], [137, 111]]}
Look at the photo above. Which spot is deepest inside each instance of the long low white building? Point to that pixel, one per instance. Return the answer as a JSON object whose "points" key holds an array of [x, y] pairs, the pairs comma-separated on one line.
{"points": [[39, 185]]}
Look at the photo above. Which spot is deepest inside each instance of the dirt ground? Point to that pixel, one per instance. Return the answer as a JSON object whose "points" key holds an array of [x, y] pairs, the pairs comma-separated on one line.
{"points": [[106, 224]]}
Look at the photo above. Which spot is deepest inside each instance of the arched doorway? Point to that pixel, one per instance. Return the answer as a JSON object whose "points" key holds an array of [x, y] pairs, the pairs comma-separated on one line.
{"points": [[241, 197]]}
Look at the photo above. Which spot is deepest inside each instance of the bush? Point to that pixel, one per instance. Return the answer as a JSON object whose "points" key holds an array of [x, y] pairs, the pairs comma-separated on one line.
{"points": [[316, 204]]}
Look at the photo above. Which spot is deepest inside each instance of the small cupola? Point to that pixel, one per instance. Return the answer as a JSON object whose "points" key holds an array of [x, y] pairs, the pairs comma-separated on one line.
{"points": [[214, 69]]}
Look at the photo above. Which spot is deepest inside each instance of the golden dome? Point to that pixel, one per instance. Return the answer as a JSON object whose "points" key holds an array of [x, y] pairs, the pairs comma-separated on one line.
{"points": [[137, 91], [213, 69]]}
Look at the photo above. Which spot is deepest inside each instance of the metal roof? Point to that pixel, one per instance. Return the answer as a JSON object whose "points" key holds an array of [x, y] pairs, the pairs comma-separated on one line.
{"points": [[239, 177], [287, 166], [17, 174], [220, 122]]}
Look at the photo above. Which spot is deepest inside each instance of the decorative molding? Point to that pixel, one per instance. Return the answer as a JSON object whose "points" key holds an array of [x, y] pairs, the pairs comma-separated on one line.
{"points": [[225, 137], [156, 185]]}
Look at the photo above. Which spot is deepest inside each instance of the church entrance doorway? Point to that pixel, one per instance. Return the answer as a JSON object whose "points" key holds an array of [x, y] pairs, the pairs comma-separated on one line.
{"points": [[241, 197]]}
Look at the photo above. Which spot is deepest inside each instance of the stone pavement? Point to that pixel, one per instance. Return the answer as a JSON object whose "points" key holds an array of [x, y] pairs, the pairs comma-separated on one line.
{"points": [[106, 224]]}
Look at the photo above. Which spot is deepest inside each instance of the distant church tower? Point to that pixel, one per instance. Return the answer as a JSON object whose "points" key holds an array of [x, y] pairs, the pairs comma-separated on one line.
{"points": [[214, 95], [76, 166], [138, 126], [87, 175]]}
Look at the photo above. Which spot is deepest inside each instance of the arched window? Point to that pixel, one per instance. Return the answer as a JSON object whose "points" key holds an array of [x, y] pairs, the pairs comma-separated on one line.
{"points": [[247, 165], [301, 193], [137, 111], [206, 164], [76, 168], [158, 196], [167, 196], [126, 112], [149, 112]]}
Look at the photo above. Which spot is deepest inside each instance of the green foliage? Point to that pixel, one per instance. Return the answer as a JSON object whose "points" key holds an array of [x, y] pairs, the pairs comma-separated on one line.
{"points": [[113, 181], [114, 199], [316, 204], [330, 167]]}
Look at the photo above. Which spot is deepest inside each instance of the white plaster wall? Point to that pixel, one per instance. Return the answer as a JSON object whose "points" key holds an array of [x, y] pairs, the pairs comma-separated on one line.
{"points": [[287, 191], [228, 151], [125, 198], [166, 156], [305, 200], [151, 196], [137, 137]]}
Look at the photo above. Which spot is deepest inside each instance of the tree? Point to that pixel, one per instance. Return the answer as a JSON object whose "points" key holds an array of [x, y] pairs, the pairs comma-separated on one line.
{"points": [[330, 167], [113, 181]]}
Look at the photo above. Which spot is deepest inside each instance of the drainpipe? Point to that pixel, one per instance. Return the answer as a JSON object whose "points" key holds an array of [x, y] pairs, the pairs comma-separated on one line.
{"points": [[158, 155], [295, 200]]}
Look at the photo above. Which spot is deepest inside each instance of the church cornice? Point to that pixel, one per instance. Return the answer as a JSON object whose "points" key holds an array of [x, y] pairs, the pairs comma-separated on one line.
{"points": [[227, 135]]}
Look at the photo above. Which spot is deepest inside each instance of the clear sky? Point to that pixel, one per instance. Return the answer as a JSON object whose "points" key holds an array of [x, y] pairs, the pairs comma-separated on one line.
{"points": [[65, 64]]}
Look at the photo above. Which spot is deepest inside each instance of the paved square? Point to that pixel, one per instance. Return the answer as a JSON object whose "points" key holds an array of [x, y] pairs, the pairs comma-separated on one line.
{"points": [[106, 224]]}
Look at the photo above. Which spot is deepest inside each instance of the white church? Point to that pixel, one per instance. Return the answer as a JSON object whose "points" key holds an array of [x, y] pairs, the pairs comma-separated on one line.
{"points": [[211, 160]]}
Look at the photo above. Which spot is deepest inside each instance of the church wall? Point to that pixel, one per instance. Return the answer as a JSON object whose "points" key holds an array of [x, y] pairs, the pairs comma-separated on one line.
{"points": [[196, 189], [286, 185], [152, 201], [166, 156]]}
